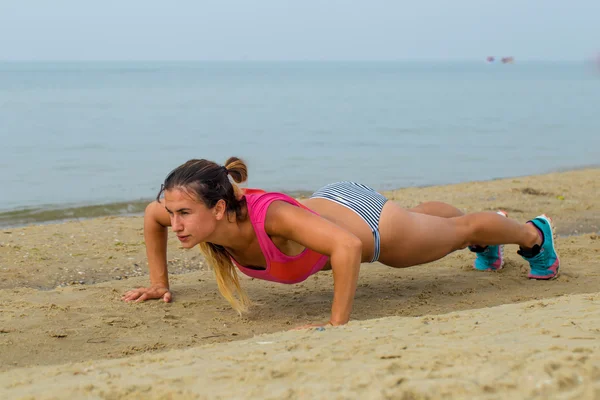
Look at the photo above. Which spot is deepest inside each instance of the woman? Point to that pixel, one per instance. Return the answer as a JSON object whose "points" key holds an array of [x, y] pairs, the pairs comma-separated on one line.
{"points": [[272, 236]]}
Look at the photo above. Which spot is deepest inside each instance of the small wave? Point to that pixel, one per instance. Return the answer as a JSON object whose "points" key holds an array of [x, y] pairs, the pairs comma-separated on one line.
{"points": [[50, 214]]}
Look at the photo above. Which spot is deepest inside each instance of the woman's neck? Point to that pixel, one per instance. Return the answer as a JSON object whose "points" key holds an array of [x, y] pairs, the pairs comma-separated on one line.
{"points": [[234, 235]]}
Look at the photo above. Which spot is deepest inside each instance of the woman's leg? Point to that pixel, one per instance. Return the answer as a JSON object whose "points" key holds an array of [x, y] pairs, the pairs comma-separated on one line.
{"points": [[444, 210], [412, 238], [438, 209]]}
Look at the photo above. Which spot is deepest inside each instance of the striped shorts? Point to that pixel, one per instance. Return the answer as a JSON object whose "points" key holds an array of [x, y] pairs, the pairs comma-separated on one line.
{"points": [[361, 199]]}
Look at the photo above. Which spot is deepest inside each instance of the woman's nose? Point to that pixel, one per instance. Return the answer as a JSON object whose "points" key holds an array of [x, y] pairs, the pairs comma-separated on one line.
{"points": [[176, 224]]}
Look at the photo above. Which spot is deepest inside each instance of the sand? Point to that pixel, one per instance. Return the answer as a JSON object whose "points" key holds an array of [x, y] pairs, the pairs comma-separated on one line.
{"points": [[430, 331]]}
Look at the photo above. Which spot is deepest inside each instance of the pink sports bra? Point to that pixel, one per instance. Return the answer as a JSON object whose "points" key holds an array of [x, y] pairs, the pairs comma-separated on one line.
{"points": [[280, 267]]}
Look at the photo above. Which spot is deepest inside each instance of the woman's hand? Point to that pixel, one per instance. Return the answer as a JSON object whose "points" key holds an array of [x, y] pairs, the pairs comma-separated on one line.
{"points": [[152, 292], [312, 326]]}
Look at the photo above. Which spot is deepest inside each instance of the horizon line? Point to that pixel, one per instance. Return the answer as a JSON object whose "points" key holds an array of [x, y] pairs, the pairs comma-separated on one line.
{"points": [[246, 60]]}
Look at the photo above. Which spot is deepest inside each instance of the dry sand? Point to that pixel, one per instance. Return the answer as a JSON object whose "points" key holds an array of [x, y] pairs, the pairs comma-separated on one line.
{"points": [[538, 349], [60, 303]]}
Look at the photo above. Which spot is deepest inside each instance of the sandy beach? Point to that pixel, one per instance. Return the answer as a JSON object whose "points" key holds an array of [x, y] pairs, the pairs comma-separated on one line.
{"points": [[433, 331]]}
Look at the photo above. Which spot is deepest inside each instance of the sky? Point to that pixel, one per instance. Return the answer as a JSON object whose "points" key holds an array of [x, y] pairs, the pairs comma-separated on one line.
{"points": [[163, 30]]}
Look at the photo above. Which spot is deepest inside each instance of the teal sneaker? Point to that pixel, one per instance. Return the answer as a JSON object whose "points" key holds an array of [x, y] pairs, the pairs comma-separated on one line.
{"points": [[489, 258], [543, 260]]}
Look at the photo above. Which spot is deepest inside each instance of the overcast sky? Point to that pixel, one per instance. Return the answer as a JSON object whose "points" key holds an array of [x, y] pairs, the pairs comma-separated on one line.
{"points": [[298, 30]]}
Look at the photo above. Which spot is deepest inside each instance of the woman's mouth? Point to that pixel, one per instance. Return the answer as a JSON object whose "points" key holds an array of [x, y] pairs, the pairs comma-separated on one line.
{"points": [[183, 238]]}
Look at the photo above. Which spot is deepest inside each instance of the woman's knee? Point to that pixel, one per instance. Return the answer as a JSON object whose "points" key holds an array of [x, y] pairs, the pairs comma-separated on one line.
{"points": [[466, 230]]}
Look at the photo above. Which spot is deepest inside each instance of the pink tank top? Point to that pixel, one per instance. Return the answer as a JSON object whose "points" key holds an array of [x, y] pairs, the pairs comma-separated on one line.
{"points": [[280, 267]]}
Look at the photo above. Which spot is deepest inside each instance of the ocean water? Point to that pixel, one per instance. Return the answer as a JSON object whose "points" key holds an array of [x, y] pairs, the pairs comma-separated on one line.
{"points": [[84, 139]]}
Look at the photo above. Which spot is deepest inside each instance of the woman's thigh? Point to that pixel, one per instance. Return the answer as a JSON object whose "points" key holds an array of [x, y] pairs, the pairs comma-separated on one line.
{"points": [[409, 238]]}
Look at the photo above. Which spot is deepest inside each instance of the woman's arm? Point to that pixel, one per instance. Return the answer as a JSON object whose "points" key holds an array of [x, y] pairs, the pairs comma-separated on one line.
{"points": [[156, 221], [325, 237]]}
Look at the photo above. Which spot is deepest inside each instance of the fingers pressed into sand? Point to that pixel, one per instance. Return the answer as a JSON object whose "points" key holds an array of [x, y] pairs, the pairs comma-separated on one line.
{"points": [[143, 297], [131, 295], [312, 326]]}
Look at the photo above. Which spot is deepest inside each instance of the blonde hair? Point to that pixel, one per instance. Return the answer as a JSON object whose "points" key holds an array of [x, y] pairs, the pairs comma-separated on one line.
{"points": [[210, 183], [226, 275]]}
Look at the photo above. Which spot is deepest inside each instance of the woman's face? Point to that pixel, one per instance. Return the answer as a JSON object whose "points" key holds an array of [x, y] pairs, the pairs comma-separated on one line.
{"points": [[191, 220]]}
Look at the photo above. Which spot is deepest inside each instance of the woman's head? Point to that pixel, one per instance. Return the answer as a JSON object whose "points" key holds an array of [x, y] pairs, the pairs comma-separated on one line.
{"points": [[198, 194]]}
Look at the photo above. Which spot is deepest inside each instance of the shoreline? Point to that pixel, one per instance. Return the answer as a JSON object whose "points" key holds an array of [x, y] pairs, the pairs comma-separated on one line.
{"points": [[57, 213]]}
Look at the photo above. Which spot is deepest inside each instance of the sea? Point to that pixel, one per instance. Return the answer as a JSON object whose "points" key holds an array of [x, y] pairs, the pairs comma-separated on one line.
{"points": [[85, 139]]}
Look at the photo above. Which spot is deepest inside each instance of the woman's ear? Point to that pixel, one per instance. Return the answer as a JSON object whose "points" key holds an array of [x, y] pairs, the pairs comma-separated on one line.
{"points": [[220, 209]]}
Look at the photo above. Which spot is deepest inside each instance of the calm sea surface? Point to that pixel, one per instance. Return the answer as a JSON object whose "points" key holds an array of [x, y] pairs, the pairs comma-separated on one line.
{"points": [[77, 135]]}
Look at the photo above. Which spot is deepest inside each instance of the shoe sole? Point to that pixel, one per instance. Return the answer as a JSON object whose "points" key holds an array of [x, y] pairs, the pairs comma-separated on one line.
{"points": [[553, 238]]}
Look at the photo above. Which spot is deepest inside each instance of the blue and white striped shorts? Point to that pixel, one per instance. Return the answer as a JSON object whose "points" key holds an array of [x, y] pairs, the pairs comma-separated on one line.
{"points": [[361, 199]]}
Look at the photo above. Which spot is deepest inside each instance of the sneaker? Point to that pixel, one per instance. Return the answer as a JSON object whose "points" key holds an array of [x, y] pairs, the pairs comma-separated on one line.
{"points": [[489, 258], [543, 260]]}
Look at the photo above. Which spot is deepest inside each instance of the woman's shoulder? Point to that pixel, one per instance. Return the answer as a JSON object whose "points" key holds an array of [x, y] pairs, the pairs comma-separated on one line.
{"points": [[259, 201], [260, 194]]}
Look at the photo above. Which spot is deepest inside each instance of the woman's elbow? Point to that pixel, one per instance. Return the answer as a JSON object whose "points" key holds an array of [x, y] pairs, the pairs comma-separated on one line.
{"points": [[150, 211], [156, 213], [352, 245]]}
